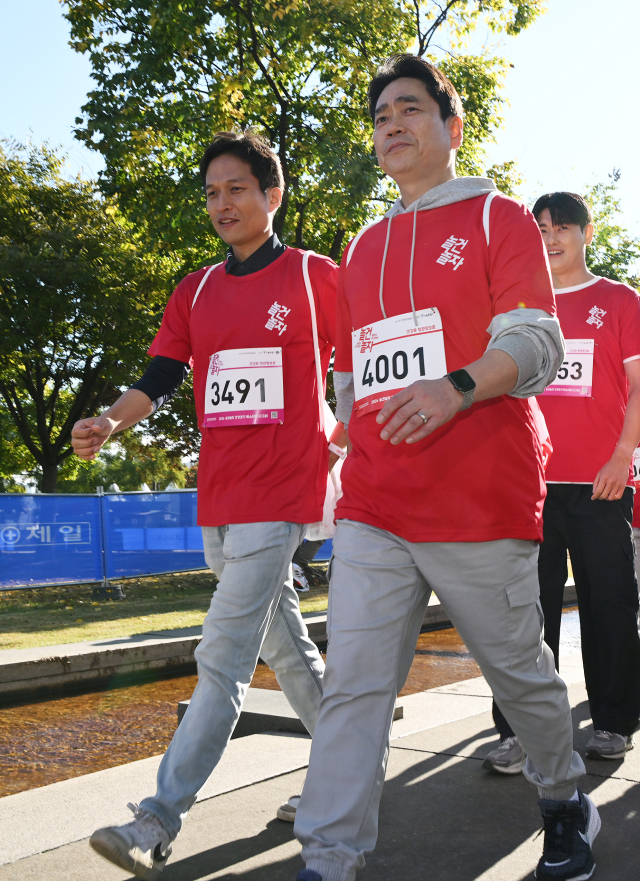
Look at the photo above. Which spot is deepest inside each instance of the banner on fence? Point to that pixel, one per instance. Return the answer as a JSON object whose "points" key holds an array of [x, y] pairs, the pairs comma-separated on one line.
{"points": [[74, 538]]}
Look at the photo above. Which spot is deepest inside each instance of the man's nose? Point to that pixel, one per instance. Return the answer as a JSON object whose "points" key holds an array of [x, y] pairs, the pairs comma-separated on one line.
{"points": [[396, 124]]}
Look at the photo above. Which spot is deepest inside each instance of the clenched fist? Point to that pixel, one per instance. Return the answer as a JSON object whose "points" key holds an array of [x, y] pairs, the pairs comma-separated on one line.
{"points": [[88, 436]]}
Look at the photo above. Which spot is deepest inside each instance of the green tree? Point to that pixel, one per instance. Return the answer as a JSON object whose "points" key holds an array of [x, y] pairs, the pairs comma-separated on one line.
{"points": [[614, 253], [128, 462], [80, 299], [169, 75], [14, 456]]}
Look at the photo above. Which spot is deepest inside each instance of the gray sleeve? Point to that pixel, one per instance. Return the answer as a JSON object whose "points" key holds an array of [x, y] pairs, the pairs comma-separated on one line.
{"points": [[345, 395], [534, 340]]}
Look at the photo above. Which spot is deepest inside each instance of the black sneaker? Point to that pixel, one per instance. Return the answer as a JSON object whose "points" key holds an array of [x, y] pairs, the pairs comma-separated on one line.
{"points": [[569, 830]]}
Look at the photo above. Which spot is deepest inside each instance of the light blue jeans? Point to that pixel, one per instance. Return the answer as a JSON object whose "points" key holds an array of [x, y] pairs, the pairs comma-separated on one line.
{"points": [[254, 612]]}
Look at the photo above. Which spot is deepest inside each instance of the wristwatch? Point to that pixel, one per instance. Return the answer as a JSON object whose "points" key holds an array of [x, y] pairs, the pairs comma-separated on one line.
{"points": [[463, 383]]}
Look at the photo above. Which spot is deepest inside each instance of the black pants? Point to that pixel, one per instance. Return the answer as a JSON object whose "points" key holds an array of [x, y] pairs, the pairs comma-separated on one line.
{"points": [[599, 539], [306, 552]]}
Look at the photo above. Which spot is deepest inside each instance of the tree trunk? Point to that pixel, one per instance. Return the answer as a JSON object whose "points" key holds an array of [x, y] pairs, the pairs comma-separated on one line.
{"points": [[49, 478], [336, 245]]}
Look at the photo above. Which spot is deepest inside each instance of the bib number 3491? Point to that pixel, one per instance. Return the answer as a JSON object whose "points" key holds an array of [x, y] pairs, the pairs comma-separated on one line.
{"points": [[244, 387], [390, 354]]}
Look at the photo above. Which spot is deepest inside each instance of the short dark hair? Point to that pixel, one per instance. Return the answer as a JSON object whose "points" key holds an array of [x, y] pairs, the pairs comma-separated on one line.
{"points": [[249, 148], [564, 208], [439, 87]]}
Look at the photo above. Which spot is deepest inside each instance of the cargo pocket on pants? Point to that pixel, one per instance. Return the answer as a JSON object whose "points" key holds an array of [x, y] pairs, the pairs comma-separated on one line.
{"points": [[524, 618]]}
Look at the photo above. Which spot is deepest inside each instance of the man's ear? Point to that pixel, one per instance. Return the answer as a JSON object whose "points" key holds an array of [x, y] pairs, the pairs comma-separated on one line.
{"points": [[456, 126], [588, 234], [274, 198]]}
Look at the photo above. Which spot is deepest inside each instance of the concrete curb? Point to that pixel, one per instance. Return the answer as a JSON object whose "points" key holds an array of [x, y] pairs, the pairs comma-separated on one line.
{"points": [[26, 673]]}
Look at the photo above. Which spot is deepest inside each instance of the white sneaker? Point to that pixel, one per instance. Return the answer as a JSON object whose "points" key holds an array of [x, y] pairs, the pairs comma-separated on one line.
{"points": [[299, 579], [288, 812], [608, 745], [141, 846], [508, 758]]}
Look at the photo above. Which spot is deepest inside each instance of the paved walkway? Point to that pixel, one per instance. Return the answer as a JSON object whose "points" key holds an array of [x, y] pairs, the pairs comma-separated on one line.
{"points": [[442, 817]]}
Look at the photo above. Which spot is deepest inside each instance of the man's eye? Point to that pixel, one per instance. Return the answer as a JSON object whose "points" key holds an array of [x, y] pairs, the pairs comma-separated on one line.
{"points": [[381, 119]]}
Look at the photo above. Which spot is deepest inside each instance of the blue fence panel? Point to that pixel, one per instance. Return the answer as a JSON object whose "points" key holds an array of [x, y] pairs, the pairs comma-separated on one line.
{"points": [[73, 538], [49, 539], [325, 551], [149, 533]]}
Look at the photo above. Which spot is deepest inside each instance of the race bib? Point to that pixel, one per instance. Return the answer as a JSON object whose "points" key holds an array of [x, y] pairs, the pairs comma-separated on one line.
{"points": [[244, 387], [390, 354], [635, 464], [575, 376]]}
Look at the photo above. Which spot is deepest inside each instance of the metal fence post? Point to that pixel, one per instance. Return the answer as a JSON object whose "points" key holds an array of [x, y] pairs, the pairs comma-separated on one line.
{"points": [[104, 592]]}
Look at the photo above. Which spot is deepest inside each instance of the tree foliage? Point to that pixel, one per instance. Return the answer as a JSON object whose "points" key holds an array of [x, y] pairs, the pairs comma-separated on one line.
{"points": [[128, 462], [613, 253], [169, 75], [80, 301]]}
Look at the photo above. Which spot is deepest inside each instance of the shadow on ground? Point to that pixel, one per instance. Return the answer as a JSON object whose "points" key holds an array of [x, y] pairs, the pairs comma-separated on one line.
{"points": [[444, 819]]}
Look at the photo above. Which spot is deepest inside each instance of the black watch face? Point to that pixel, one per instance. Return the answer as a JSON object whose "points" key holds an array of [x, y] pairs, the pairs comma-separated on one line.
{"points": [[462, 381]]}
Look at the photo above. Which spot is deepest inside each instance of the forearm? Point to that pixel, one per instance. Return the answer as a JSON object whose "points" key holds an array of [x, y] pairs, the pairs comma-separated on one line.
{"points": [[534, 340], [131, 407], [630, 434], [339, 439], [495, 374], [339, 436]]}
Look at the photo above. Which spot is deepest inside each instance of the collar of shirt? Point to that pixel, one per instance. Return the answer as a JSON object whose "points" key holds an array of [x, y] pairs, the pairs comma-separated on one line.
{"points": [[266, 254]]}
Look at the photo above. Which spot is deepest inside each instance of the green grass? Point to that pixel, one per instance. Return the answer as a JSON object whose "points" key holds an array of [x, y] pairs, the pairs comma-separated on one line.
{"points": [[67, 613]]}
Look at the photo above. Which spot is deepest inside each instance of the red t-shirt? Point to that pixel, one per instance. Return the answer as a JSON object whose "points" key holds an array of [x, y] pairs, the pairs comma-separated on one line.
{"points": [[585, 429], [258, 473], [479, 477]]}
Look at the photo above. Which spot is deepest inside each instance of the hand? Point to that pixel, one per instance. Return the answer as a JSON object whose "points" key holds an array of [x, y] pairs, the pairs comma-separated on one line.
{"points": [[612, 478], [436, 399], [332, 460], [89, 435]]}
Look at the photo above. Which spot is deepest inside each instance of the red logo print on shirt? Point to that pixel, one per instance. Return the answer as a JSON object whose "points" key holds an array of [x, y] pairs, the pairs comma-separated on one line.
{"points": [[365, 340], [216, 364]]}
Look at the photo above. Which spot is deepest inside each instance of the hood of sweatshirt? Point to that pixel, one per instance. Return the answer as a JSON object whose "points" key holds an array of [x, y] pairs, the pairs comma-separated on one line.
{"points": [[457, 190]]}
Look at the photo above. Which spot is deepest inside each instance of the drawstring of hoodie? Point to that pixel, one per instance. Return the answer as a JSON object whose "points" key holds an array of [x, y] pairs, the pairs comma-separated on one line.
{"points": [[413, 248], [384, 260]]}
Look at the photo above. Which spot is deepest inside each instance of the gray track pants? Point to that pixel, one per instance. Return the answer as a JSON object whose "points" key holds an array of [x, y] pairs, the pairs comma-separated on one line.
{"points": [[254, 611], [380, 587]]}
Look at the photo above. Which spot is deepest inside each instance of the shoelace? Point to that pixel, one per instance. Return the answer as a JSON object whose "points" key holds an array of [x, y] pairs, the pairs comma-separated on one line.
{"points": [[150, 820], [558, 826]]}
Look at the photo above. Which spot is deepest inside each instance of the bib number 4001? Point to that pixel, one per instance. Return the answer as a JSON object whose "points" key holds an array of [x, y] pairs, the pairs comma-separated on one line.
{"points": [[390, 354], [399, 367], [242, 388]]}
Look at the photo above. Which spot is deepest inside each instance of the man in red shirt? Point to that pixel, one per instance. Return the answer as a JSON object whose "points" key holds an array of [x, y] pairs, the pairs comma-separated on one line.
{"points": [[446, 326], [592, 411], [259, 340]]}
